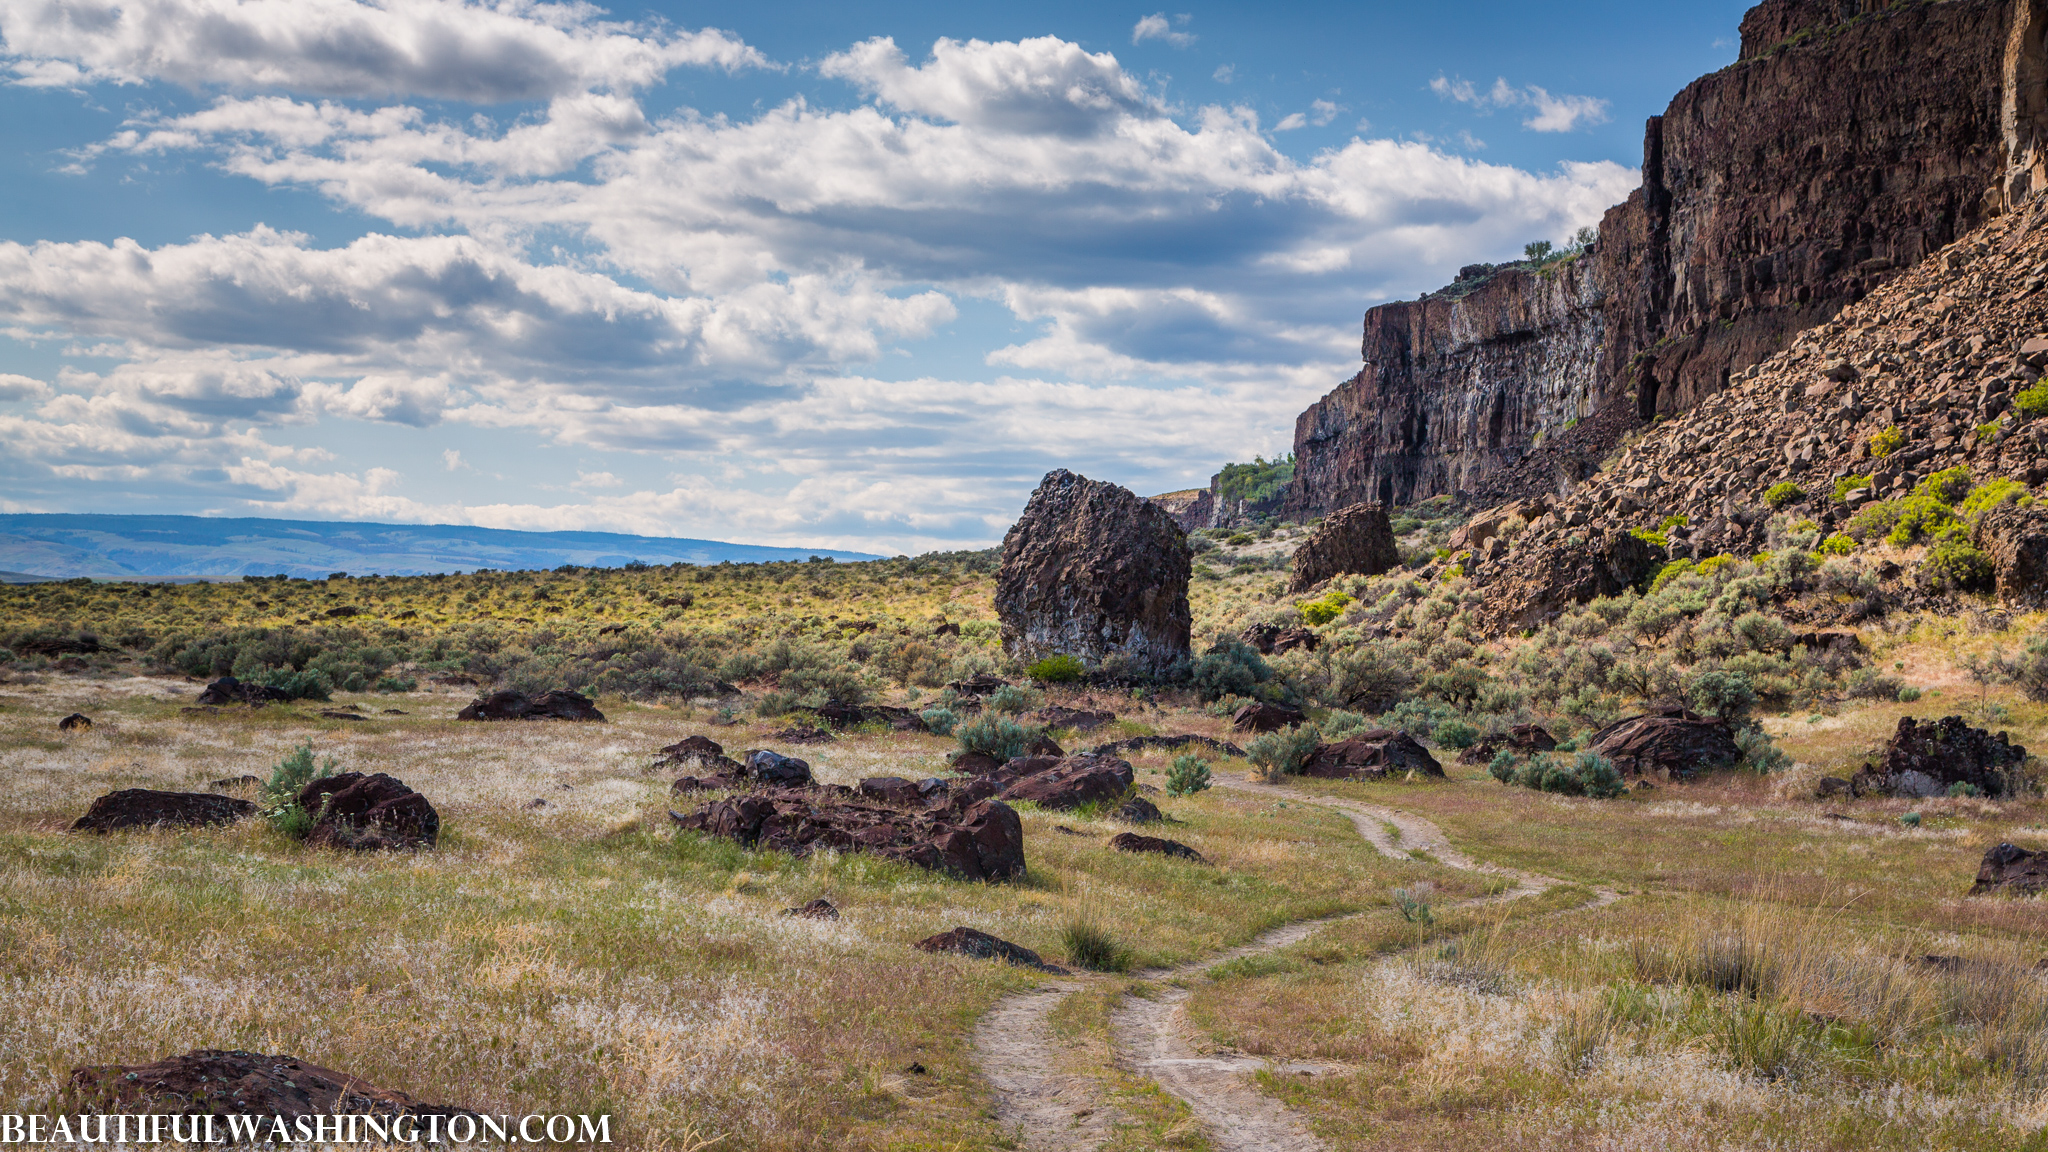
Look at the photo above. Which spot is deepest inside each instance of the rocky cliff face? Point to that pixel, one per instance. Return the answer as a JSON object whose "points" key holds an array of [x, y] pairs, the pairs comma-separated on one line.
{"points": [[1850, 139]]}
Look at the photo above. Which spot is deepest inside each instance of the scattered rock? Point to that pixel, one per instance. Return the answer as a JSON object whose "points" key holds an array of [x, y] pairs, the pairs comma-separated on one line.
{"points": [[701, 752], [848, 715], [1522, 740], [1058, 716], [1043, 745], [76, 722], [1273, 640], [775, 770], [534, 804], [978, 840], [1140, 743], [332, 714], [975, 763], [368, 813], [1354, 540], [556, 704], [1132, 842], [1262, 717], [1063, 829], [1094, 572], [1668, 743], [1066, 782], [145, 808], [2014, 870], [978, 685], [1137, 810], [228, 690], [1829, 787], [1373, 755], [892, 790], [982, 946], [230, 783], [212, 1081], [1544, 580], [395, 712], [819, 909], [1924, 759]]}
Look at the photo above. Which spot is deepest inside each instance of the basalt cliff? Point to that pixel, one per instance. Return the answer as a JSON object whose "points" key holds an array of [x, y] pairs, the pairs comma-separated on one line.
{"points": [[1850, 139]]}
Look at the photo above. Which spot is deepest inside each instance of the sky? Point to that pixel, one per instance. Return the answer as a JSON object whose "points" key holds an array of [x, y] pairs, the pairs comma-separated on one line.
{"points": [[804, 274]]}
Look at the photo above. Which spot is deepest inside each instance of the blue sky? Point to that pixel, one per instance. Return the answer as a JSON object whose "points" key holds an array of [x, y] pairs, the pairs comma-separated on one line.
{"points": [[801, 274]]}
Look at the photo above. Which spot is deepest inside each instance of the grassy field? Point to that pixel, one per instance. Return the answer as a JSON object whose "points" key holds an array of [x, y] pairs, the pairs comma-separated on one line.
{"points": [[1728, 963]]}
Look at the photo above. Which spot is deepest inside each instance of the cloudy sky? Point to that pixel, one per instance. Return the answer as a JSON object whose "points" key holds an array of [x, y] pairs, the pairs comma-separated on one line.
{"points": [[814, 274]]}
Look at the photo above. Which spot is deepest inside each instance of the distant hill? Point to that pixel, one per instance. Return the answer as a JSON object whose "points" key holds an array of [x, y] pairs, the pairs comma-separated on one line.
{"points": [[128, 547]]}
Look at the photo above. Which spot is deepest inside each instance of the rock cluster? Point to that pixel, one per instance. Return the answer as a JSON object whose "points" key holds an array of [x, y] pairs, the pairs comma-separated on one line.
{"points": [[1357, 539], [1522, 740], [228, 690], [968, 836], [144, 808], [555, 704], [1927, 758], [368, 813], [1670, 743], [1264, 717], [1273, 640], [1371, 755], [1094, 572], [216, 1082], [1063, 782]]}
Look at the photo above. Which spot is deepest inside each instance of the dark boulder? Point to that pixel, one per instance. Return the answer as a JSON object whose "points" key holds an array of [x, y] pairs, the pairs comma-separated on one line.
{"points": [[698, 751], [982, 946], [1668, 743], [1372, 755], [1137, 810], [228, 690], [215, 1082], [143, 808], [1068, 781], [892, 790], [2016, 540], [978, 685], [76, 722], [718, 782], [1132, 842], [557, 704], [1274, 640], [847, 715], [1092, 571], [368, 813], [1262, 717], [1078, 719], [1354, 540], [1539, 583], [1043, 745], [2012, 870], [819, 909], [230, 783], [975, 763], [972, 839], [775, 770], [1927, 758], [1522, 740]]}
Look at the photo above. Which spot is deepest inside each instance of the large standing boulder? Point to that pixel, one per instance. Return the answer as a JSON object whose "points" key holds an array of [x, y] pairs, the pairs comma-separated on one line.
{"points": [[367, 813], [1669, 743], [1263, 717], [556, 704], [1355, 540], [144, 808], [214, 1082], [1092, 571], [2011, 869], [975, 839], [2016, 539], [1372, 755], [1927, 758]]}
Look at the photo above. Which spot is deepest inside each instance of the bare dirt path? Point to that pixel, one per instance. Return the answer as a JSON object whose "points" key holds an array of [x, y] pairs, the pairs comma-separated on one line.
{"points": [[1060, 1111]]}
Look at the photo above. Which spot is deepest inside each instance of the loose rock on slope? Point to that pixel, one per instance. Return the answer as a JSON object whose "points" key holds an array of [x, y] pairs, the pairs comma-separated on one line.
{"points": [[1354, 540]]}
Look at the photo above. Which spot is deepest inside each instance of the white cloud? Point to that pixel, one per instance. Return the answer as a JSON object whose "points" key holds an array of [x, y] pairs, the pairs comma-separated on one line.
{"points": [[588, 480], [1290, 122], [450, 49], [1550, 113], [1323, 111], [1158, 27], [1224, 74], [13, 387], [1031, 86], [451, 459]]}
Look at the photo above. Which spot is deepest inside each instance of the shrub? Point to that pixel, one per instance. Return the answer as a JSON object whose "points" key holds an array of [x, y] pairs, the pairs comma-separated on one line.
{"points": [[1188, 775], [1088, 946], [1759, 754], [939, 721], [1919, 515], [1959, 564], [1282, 753], [1316, 613], [1231, 668], [1713, 564], [1782, 493], [1061, 669], [1013, 700], [1339, 724], [1848, 484], [1502, 766], [1455, 733], [995, 736], [1835, 545], [1413, 902], [307, 684], [1721, 693], [2033, 401], [1947, 486], [1989, 495], [1908, 694], [1987, 430], [1887, 442], [281, 791], [1417, 717]]}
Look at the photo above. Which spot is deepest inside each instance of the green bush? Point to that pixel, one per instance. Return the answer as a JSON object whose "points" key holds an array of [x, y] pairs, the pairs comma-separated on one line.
{"points": [[1282, 753], [1013, 700], [1061, 669], [1089, 946], [1948, 486], [1759, 754], [281, 792], [995, 736], [1990, 494], [1455, 733], [1502, 766], [1417, 717], [939, 721], [1260, 480], [1919, 515], [1317, 613], [1231, 668], [1959, 564], [1848, 484], [1886, 442], [308, 684], [1782, 493], [1188, 775], [2033, 401], [1835, 545]]}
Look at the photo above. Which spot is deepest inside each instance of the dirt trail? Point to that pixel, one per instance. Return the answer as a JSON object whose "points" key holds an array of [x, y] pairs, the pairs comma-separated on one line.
{"points": [[1057, 1111]]}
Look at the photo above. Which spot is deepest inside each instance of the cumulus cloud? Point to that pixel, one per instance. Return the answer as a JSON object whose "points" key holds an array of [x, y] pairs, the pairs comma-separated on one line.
{"points": [[1548, 113], [13, 387], [1158, 27], [1042, 85], [448, 49]]}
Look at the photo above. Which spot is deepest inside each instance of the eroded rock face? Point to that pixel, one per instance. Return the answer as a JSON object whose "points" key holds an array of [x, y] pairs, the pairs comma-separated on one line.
{"points": [[217, 1082], [1668, 743], [1540, 583], [1263, 717], [977, 840], [2012, 870], [982, 946], [557, 704], [1373, 755], [2016, 539], [1066, 782], [368, 813], [1132, 842], [144, 808], [1926, 758], [1357, 539], [1094, 572]]}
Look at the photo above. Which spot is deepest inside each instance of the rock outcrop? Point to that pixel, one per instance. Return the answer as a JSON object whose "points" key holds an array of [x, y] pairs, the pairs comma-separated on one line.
{"points": [[556, 704], [1132, 842], [1850, 140], [1669, 743], [145, 808], [982, 946], [1066, 782], [1357, 539], [1927, 758], [368, 813], [217, 1082], [2016, 541], [1372, 755], [980, 839], [2013, 871], [76, 722], [1091, 571], [228, 690], [1260, 716]]}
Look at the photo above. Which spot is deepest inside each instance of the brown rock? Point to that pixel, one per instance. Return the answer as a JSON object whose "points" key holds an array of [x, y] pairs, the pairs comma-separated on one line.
{"points": [[368, 813], [228, 690], [1542, 582], [982, 946], [1669, 743], [892, 790], [2016, 539], [978, 685], [1373, 755], [1138, 810], [216, 1082], [143, 808], [701, 751], [1140, 743], [819, 909], [1080, 720], [2012, 870], [76, 722], [1357, 539], [1263, 717], [1067, 782], [1132, 842], [556, 704], [774, 770], [1925, 758], [1092, 571], [974, 840]]}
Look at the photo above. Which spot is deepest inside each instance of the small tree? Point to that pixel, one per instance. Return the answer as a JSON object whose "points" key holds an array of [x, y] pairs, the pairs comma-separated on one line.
{"points": [[1536, 251], [1188, 775]]}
